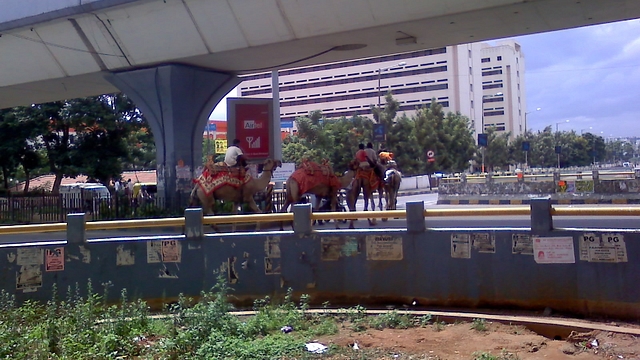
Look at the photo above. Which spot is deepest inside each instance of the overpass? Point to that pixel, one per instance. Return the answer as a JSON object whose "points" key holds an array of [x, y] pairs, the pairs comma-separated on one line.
{"points": [[177, 58]]}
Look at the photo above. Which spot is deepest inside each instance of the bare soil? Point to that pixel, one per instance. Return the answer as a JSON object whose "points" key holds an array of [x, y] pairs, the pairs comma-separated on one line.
{"points": [[461, 341]]}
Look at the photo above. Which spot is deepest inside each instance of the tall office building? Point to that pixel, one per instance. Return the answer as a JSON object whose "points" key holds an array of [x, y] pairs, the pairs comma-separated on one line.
{"points": [[459, 77]]}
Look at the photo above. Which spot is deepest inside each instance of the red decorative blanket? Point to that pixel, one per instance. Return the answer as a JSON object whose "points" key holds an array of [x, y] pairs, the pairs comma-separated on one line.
{"points": [[214, 176], [370, 175], [312, 174]]}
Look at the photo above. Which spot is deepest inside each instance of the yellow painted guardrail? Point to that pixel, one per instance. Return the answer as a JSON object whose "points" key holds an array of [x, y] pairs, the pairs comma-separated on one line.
{"points": [[132, 224], [488, 211], [596, 211], [513, 210], [255, 218], [31, 229]]}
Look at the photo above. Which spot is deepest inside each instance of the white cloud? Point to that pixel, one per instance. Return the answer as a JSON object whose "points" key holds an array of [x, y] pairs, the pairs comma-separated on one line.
{"points": [[587, 75], [220, 111]]}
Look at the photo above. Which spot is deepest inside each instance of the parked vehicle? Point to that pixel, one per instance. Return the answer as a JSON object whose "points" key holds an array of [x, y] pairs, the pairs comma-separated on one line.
{"points": [[84, 197]]}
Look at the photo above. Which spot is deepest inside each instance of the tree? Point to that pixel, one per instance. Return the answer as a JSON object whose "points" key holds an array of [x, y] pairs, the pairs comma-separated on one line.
{"points": [[18, 145], [336, 140], [92, 136]]}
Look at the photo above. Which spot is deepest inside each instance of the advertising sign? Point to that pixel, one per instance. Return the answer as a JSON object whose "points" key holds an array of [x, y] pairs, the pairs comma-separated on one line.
{"points": [[250, 121], [282, 173], [221, 146]]}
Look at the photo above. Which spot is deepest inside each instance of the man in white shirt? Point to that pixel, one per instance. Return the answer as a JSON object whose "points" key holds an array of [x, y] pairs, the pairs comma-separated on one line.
{"points": [[234, 155]]}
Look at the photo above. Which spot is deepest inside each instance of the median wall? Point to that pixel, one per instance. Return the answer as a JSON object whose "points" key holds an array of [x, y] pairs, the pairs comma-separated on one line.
{"points": [[580, 272], [560, 189]]}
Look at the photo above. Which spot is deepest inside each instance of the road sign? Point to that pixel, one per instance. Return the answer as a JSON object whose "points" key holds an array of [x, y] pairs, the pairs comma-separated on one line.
{"points": [[558, 149], [483, 140], [378, 132], [526, 146], [431, 156]]}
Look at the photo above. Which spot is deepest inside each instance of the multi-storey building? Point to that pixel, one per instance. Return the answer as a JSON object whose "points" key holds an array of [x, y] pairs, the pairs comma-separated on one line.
{"points": [[458, 77]]}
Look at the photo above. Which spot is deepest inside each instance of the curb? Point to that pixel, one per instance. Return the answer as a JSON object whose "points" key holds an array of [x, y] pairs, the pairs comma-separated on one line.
{"points": [[527, 201]]}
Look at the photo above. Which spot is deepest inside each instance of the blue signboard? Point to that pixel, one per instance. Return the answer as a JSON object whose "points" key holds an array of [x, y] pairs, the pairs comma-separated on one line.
{"points": [[212, 127], [378, 132], [286, 124]]}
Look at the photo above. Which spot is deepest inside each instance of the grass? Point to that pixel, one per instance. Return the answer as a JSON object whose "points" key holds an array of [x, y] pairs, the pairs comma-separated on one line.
{"points": [[72, 326], [479, 325], [504, 355]]}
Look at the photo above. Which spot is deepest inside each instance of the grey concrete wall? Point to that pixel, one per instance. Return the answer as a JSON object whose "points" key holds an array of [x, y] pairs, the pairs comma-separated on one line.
{"points": [[457, 268], [574, 190]]}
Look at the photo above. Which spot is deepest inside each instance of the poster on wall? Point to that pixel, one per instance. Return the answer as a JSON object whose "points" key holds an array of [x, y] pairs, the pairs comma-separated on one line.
{"points": [[250, 121], [553, 250]]}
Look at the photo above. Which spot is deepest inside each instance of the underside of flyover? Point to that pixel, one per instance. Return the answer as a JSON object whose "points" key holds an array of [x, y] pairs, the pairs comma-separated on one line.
{"points": [[49, 53]]}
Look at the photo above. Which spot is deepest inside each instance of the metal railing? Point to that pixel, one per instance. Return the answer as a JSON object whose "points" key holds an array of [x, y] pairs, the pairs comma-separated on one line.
{"points": [[287, 217], [480, 178]]}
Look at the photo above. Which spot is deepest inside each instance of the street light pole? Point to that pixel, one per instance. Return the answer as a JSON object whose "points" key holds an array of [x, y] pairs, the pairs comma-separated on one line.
{"points": [[483, 148], [525, 119], [557, 138], [402, 63]]}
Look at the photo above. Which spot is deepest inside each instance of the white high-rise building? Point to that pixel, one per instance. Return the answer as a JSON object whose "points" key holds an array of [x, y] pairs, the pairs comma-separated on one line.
{"points": [[459, 77], [503, 91]]}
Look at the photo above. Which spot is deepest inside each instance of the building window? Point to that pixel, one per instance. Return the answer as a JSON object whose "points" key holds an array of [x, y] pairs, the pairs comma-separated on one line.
{"points": [[492, 72], [492, 86], [499, 58], [484, 60]]}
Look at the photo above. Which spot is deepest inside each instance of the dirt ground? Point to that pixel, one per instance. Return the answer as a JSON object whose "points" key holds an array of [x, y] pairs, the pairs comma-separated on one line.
{"points": [[461, 341]]}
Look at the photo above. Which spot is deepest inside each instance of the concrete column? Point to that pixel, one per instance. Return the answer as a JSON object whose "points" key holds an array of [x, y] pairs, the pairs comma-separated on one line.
{"points": [[302, 219], [176, 100], [596, 177], [556, 177], [193, 224], [541, 219], [76, 233], [415, 217]]}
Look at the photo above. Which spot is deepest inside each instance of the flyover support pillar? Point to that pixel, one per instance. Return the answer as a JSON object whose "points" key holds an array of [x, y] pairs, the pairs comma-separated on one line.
{"points": [[176, 100]]}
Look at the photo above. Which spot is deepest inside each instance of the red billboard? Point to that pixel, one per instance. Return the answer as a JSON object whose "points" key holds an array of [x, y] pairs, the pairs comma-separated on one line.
{"points": [[250, 122]]}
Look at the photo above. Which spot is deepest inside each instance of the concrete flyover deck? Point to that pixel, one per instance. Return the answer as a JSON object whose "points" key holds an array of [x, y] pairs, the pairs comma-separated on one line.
{"points": [[60, 49]]}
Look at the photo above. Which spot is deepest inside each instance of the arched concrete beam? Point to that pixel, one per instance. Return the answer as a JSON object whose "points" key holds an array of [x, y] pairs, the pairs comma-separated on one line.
{"points": [[176, 101]]}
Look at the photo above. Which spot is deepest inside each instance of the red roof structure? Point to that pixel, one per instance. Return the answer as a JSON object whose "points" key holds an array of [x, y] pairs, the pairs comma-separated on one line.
{"points": [[45, 182]]}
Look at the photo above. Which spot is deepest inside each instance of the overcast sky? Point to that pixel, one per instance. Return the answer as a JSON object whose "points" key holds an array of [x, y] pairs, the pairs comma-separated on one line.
{"points": [[589, 76]]}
